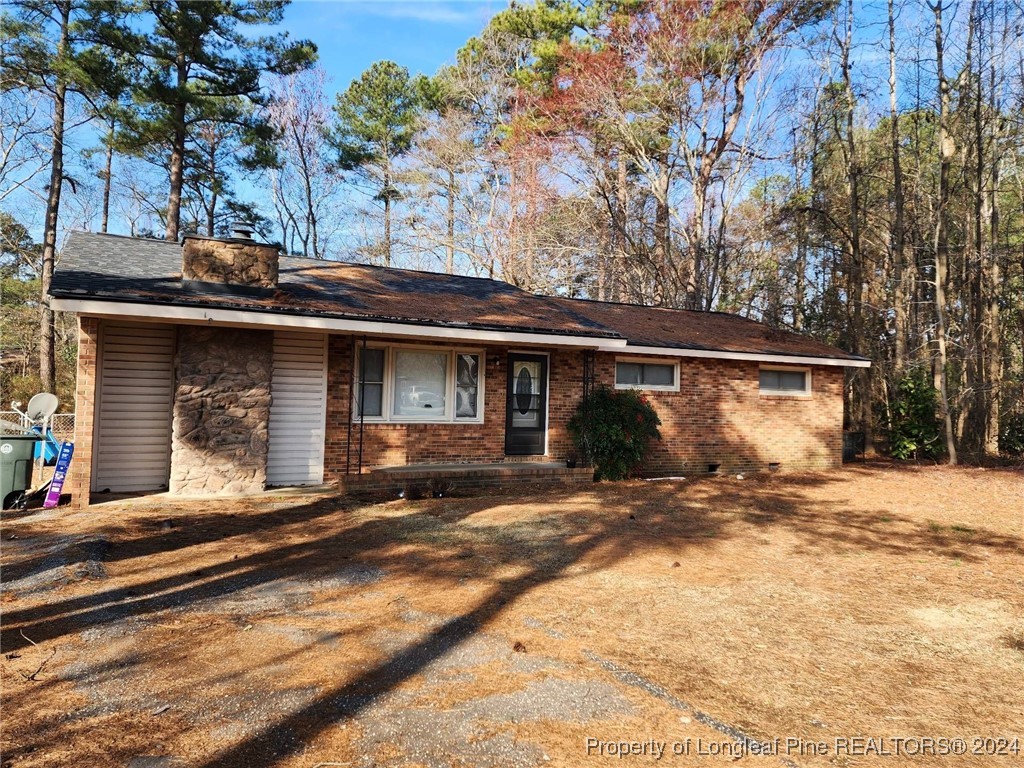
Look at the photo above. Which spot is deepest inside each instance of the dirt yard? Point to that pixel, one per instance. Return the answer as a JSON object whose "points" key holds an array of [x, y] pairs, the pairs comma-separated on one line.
{"points": [[823, 619]]}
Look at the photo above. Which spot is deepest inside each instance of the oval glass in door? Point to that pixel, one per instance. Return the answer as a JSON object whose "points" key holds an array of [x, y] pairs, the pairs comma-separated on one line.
{"points": [[527, 378], [524, 391]]}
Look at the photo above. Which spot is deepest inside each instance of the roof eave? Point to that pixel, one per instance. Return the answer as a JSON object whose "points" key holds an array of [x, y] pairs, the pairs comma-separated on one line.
{"points": [[188, 314], [726, 354]]}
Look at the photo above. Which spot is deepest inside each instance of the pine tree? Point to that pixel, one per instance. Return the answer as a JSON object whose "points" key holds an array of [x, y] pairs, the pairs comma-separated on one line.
{"points": [[45, 48], [376, 123], [200, 65]]}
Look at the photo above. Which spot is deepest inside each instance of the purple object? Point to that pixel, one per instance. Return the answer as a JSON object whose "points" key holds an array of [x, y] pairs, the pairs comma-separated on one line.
{"points": [[60, 472]]}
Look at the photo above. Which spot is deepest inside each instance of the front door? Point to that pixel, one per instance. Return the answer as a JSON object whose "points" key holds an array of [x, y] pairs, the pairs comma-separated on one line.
{"points": [[526, 406]]}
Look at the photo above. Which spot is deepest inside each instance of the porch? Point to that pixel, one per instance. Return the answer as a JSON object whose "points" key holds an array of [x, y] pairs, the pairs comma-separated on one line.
{"points": [[426, 480]]}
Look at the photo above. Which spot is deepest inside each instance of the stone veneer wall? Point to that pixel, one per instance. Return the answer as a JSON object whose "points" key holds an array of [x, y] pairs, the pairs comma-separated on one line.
{"points": [[235, 262], [221, 411]]}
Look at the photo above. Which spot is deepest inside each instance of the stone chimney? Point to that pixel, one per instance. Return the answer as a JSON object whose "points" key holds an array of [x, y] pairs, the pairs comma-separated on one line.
{"points": [[234, 263]]}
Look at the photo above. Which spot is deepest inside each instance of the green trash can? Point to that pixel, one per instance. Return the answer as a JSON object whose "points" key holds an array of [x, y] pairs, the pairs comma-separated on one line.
{"points": [[15, 466]]}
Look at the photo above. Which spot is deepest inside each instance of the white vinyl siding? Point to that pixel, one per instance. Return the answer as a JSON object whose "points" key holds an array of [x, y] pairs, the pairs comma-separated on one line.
{"points": [[298, 389], [133, 421]]}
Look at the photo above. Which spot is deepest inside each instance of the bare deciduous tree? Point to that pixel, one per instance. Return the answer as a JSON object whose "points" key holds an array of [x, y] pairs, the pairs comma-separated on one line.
{"points": [[305, 183]]}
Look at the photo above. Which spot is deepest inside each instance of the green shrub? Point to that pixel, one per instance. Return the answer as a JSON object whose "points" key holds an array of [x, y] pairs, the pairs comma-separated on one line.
{"points": [[613, 428], [914, 429], [1011, 435]]}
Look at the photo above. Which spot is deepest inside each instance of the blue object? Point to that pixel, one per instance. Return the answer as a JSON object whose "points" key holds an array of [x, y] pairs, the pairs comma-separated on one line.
{"points": [[48, 448]]}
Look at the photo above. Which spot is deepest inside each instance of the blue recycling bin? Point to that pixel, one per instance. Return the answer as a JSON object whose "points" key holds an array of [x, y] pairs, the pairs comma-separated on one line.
{"points": [[48, 447]]}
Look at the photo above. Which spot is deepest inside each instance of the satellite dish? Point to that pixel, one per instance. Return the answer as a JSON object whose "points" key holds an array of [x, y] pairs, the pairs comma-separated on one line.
{"points": [[42, 406]]}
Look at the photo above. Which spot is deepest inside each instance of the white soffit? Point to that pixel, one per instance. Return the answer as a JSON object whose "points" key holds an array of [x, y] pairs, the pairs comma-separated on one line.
{"points": [[749, 356], [232, 317], [236, 317]]}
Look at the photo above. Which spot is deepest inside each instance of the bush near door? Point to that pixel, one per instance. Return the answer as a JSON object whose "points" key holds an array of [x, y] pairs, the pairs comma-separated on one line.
{"points": [[613, 429]]}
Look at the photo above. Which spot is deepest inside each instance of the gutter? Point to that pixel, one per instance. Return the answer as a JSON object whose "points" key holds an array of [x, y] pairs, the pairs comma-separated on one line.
{"points": [[151, 312], [759, 357], [147, 311]]}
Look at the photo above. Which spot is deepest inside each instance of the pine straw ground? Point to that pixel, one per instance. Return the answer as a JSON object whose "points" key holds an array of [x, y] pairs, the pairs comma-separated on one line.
{"points": [[873, 601]]}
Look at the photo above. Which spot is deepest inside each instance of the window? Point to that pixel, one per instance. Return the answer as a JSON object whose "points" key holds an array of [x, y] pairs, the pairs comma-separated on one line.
{"points": [[370, 387], [634, 374], [406, 384], [785, 381], [420, 383], [467, 385]]}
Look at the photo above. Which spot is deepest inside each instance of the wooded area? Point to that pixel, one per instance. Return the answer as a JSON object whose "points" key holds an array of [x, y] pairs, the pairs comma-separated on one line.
{"points": [[850, 170]]}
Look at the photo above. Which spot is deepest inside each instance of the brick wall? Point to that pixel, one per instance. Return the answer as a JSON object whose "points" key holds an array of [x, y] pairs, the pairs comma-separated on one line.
{"points": [[388, 484], [471, 443], [717, 417], [80, 475]]}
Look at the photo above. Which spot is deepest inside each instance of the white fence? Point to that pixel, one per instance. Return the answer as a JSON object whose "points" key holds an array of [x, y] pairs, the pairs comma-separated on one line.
{"points": [[61, 424]]}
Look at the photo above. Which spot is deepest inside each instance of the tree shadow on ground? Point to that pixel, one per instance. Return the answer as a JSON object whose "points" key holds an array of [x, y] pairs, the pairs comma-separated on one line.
{"points": [[515, 557], [515, 544]]}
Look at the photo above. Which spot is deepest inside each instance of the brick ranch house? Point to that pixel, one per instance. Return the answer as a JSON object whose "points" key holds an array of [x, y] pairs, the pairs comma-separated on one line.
{"points": [[219, 366]]}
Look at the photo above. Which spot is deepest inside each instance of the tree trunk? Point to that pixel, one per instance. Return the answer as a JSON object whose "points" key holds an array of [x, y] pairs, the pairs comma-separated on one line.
{"points": [[177, 164], [108, 168], [211, 169], [991, 275], [799, 288], [47, 358], [663, 234], [449, 262], [618, 265], [312, 234], [971, 424], [531, 217], [855, 267], [941, 245], [387, 217], [695, 249], [899, 255]]}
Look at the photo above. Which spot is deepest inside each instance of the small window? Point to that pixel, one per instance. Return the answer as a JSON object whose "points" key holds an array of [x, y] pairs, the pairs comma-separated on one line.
{"points": [[629, 374], [370, 387], [420, 383], [779, 381]]}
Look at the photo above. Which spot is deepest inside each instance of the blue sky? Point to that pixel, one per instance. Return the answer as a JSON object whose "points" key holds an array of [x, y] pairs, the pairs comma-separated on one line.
{"points": [[352, 34], [423, 35]]}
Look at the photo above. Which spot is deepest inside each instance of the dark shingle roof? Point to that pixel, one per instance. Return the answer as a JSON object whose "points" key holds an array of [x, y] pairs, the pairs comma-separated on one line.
{"points": [[708, 331], [118, 268], [133, 269]]}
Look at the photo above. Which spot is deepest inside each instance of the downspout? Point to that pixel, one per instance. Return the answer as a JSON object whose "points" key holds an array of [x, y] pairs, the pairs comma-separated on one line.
{"points": [[348, 439], [362, 410], [589, 378]]}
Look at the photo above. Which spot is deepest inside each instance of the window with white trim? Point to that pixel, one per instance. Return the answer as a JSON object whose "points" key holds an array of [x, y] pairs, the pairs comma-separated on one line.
{"points": [[370, 390], [639, 374], [785, 381], [420, 383], [467, 385], [407, 384]]}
